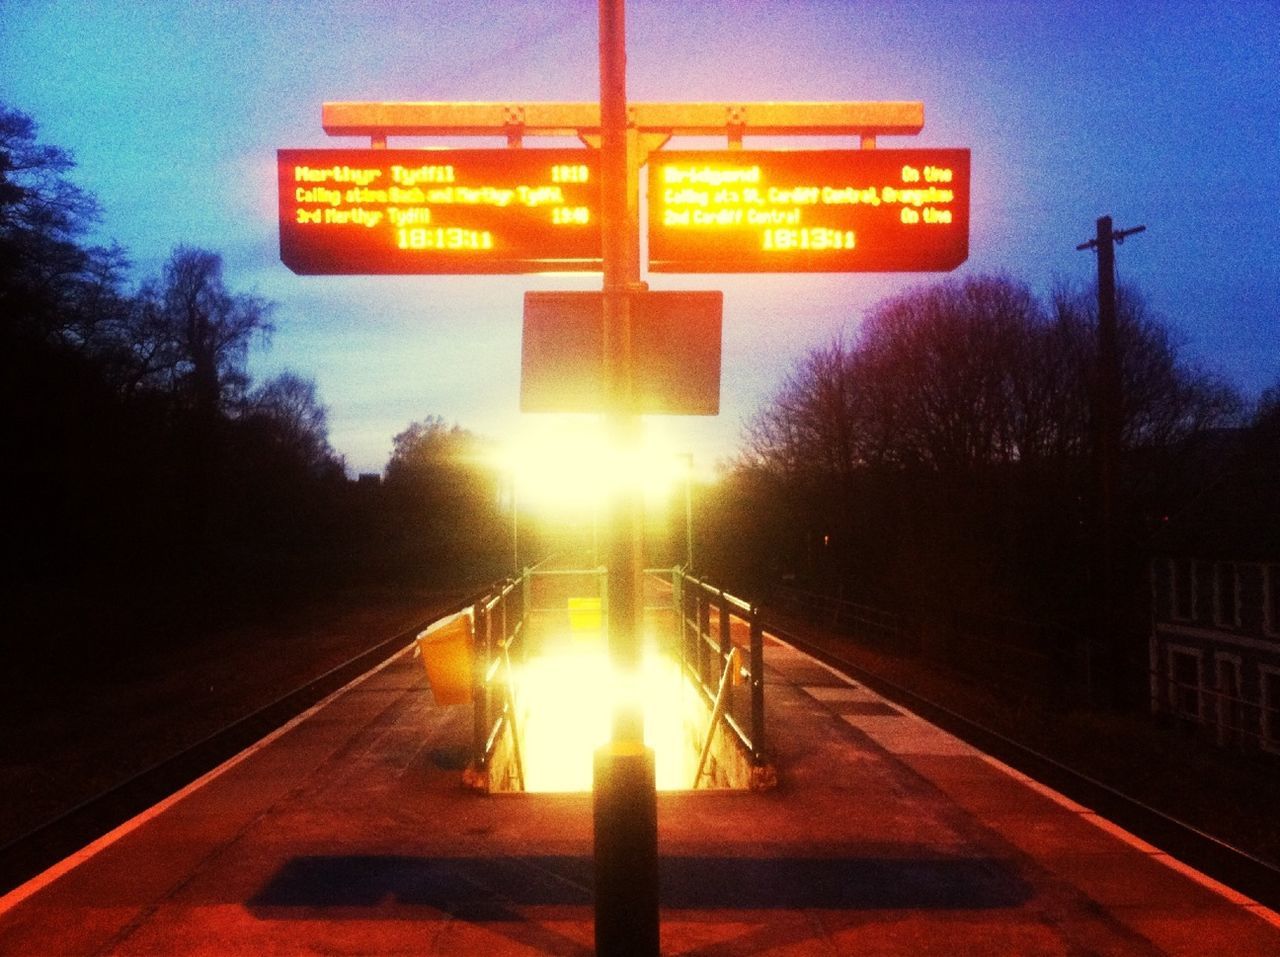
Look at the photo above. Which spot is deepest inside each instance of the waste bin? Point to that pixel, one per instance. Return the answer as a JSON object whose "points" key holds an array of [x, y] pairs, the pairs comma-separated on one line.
{"points": [[447, 651], [584, 615]]}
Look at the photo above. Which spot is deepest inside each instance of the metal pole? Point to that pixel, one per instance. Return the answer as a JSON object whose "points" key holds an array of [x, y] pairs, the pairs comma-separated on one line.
{"points": [[515, 526], [479, 690], [757, 687], [624, 796], [688, 512], [623, 544]]}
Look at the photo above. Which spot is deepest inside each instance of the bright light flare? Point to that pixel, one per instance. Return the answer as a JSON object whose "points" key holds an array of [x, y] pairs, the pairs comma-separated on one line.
{"points": [[567, 701], [570, 465]]}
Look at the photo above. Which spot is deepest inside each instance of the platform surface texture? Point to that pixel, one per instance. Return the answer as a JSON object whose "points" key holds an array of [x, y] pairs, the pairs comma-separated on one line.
{"points": [[350, 832]]}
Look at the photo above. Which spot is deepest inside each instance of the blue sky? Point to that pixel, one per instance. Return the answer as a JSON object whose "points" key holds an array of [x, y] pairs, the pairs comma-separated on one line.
{"points": [[1160, 113]]}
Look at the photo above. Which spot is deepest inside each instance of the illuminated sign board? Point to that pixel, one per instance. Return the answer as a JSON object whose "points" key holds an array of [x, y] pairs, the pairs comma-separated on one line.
{"points": [[809, 210], [675, 344], [390, 211]]}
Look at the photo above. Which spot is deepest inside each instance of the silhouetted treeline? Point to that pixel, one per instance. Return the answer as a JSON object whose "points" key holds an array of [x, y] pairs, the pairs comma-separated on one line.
{"points": [[442, 486], [941, 462], [153, 481]]}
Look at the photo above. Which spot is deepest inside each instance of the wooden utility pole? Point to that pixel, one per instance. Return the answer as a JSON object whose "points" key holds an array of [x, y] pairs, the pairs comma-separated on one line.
{"points": [[1108, 420]]}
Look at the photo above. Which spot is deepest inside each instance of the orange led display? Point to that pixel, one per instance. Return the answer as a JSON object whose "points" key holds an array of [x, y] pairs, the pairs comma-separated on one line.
{"points": [[363, 211], [809, 210]]}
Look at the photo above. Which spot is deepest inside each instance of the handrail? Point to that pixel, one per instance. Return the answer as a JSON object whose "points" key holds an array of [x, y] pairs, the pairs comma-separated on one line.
{"points": [[708, 657], [506, 588], [713, 658], [716, 711], [566, 572], [510, 709], [720, 593], [498, 627]]}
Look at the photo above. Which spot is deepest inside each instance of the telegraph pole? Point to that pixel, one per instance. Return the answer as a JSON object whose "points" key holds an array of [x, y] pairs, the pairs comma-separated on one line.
{"points": [[624, 811], [1108, 403]]}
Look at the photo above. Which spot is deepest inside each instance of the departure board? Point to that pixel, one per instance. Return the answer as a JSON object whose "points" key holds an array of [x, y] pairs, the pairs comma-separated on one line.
{"points": [[808, 210], [394, 211]]}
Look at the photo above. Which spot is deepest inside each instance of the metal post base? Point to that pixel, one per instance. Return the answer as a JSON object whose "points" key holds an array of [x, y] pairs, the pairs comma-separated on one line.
{"points": [[625, 810]]}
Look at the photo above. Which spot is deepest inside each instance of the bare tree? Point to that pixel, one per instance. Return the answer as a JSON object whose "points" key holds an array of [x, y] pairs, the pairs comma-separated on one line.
{"points": [[1266, 415], [44, 217], [952, 440], [1164, 398], [288, 406], [949, 372], [38, 202], [811, 426], [200, 329]]}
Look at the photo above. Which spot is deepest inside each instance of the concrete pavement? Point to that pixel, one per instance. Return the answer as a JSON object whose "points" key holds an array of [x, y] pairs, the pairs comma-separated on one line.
{"points": [[349, 832]]}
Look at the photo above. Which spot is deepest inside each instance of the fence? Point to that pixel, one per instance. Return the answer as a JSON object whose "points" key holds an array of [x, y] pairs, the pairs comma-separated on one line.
{"points": [[863, 622], [718, 639], [721, 644], [1021, 657], [1230, 719], [499, 629]]}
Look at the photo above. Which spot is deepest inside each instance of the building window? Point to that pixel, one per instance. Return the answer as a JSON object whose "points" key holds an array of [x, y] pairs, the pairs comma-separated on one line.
{"points": [[1271, 599], [1270, 705], [1182, 589], [1229, 705], [1186, 680], [1226, 595]]}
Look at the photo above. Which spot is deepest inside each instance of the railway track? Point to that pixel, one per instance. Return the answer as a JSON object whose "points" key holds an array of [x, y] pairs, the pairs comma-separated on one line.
{"points": [[39, 849], [1225, 863]]}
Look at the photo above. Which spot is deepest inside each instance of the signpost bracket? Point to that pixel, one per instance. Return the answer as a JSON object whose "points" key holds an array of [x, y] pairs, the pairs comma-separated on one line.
{"points": [[735, 125], [864, 119], [650, 143], [514, 126]]}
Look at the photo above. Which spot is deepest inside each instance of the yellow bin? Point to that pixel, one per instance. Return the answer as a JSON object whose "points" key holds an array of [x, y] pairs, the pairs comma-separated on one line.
{"points": [[584, 615], [446, 651]]}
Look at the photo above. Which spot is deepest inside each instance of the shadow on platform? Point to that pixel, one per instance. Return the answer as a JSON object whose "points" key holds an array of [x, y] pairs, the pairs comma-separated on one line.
{"points": [[480, 889]]}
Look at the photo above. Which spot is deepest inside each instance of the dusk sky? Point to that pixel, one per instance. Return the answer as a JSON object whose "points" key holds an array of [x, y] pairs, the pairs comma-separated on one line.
{"points": [[1158, 113]]}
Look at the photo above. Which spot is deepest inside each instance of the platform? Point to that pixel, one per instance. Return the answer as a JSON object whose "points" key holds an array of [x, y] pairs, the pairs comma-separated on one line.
{"points": [[349, 832]]}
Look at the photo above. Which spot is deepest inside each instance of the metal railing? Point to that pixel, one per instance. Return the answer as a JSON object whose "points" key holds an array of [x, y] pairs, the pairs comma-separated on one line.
{"points": [[1022, 657], [1228, 719], [864, 622], [721, 642], [718, 639], [1047, 661], [499, 629]]}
